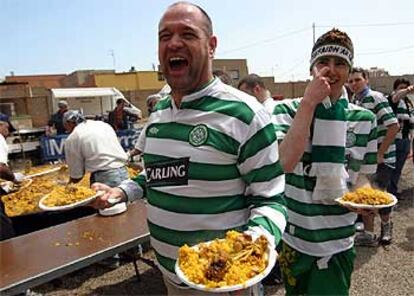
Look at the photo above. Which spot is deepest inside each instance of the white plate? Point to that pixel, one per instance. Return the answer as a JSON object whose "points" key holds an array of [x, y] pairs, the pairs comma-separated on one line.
{"points": [[365, 206], [43, 173], [271, 253], [70, 206]]}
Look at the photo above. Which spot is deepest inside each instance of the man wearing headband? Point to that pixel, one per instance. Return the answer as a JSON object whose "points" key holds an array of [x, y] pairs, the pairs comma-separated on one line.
{"points": [[388, 128], [327, 144]]}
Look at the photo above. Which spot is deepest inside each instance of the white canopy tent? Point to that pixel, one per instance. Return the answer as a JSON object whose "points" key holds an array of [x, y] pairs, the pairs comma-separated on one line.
{"points": [[91, 100]]}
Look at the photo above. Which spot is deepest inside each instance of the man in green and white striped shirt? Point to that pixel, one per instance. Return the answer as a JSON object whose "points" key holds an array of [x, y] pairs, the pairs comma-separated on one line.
{"points": [[210, 151], [388, 128], [318, 250]]}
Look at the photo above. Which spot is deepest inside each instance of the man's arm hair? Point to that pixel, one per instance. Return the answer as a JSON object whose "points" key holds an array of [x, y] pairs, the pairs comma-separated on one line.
{"points": [[6, 173]]}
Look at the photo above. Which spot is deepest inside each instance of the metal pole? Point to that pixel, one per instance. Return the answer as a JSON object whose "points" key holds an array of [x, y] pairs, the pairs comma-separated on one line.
{"points": [[313, 31]]}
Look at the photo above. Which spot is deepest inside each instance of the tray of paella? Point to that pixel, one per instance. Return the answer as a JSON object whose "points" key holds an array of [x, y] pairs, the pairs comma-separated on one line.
{"points": [[234, 263], [367, 198], [25, 199]]}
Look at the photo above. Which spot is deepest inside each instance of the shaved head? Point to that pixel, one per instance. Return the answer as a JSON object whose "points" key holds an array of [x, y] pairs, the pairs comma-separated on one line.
{"points": [[207, 23]]}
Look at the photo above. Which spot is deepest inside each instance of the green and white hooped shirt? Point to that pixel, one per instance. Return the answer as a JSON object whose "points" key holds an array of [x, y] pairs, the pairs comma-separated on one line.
{"points": [[211, 165], [323, 228], [378, 104]]}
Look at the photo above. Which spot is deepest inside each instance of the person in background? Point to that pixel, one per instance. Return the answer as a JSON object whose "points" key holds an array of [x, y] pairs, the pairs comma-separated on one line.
{"points": [[92, 146], [121, 117], [223, 76], [388, 128], [152, 100], [254, 86], [403, 108], [322, 136], [5, 118], [6, 226], [203, 126], [56, 121]]}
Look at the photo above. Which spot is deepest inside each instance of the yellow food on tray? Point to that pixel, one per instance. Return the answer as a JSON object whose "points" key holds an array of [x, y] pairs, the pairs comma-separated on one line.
{"points": [[41, 169], [26, 200], [224, 262], [368, 196], [66, 195]]}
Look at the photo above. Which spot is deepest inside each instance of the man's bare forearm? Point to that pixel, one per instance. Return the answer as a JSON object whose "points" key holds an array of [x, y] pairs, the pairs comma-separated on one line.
{"points": [[293, 145]]}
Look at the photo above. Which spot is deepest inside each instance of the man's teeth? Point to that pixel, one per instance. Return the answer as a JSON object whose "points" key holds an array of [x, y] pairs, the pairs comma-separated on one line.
{"points": [[175, 59]]}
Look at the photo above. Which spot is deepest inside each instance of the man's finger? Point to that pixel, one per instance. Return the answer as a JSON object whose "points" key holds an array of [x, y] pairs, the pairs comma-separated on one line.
{"points": [[320, 73]]}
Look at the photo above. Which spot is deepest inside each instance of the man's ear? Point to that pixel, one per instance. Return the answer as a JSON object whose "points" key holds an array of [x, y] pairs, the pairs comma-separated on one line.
{"points": [[212, 44]]}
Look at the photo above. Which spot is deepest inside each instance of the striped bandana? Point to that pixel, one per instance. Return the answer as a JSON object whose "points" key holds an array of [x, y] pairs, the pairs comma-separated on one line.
{"points": [[328, 150], [332, 50]]}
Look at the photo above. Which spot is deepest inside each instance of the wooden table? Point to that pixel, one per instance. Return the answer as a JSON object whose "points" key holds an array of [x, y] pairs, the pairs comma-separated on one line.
{"points": [[33, 259]]}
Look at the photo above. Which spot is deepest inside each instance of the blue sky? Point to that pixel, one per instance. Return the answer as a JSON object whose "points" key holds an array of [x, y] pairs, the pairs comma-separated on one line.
{"points": [[61, 36]]}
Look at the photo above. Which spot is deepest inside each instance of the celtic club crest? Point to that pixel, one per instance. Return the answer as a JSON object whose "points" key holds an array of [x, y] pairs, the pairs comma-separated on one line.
{"points": [[198, 135], [350, 139]]}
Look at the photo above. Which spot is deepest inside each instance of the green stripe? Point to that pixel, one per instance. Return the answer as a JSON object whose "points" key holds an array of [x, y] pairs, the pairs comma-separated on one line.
{"points": [[262, 139], [283, 109], [361, 140], [277, 202], [386, 117], [323, 235], [370, 158], [264, 174], [201, 171], [179, 238], [269, 226], [382, 105], [359, 115], [314, 209], [237, 109], [191, 205], [355, 164], [163, 104], [301, 182], [181, 132], [332, 154], [167, 263]]}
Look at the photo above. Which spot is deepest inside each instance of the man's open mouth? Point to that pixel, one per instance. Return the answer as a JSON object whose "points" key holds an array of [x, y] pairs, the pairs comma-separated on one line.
{"points": [[177, 63]]}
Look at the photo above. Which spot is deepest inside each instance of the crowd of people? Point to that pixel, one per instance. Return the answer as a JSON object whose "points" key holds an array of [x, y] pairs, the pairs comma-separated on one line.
{"points": [[248, 162]]}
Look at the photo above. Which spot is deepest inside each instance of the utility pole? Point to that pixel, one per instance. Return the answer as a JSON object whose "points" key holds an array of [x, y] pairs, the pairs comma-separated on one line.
{"points": [[313, 31], [112, 53]]}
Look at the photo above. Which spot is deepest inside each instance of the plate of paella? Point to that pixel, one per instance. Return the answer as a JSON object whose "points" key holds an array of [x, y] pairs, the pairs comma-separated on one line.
{"points": [[234, 263], [367, 198], [67, 197]]}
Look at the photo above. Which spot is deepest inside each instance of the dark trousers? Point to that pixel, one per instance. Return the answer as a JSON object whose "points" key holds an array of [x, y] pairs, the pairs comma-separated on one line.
{"points": [[403, 148]]}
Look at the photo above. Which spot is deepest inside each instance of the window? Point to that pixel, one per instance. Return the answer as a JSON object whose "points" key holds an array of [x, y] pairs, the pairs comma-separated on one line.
{"points": [[234, 74]]}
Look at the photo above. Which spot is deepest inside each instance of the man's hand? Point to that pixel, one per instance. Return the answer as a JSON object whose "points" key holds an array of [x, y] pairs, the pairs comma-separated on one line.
{"points": [[380, 158], [110, 197], [18, 177], [318, 89], [362, 212]]}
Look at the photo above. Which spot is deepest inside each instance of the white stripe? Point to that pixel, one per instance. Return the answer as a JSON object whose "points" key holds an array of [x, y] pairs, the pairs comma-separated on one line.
{"points": [[273, 215], [329, 133], [303, 196], [207, 155], [164, 249], [261, 119], [267, 189], [368, 169], [200, 188], [319, 249], [193, 222], [321, 222], [256, 231], [266, 156]]}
